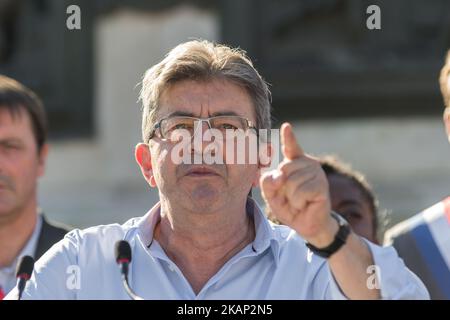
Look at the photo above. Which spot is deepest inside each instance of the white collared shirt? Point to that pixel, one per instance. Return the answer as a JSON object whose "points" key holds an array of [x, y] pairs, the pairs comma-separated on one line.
{"points": [[277, 265], [8, 274]]}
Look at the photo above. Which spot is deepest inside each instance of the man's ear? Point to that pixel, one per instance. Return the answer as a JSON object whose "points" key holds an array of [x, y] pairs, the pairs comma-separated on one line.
{"points": [[42, 158], [144, 160]]}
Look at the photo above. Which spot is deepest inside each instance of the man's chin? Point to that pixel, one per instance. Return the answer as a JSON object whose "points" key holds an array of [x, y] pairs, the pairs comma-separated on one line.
{"points": [[201, 177], [7, 212], [204, 198]]}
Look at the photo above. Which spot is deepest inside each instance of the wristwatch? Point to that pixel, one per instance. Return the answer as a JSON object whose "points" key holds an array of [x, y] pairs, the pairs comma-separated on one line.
{"points": [[339, 239]]}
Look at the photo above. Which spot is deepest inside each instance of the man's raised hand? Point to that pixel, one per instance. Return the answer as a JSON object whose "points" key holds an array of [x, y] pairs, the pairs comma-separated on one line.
{"points": [[297, 193]]}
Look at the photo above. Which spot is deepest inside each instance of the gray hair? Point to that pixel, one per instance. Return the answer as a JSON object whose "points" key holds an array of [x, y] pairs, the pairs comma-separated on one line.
{"points": [[203, 60]]}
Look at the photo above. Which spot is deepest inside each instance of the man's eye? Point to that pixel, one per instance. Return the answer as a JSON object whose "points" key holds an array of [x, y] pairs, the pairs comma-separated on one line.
{"points": [[227, 126], [9, 147], [181, 126]]}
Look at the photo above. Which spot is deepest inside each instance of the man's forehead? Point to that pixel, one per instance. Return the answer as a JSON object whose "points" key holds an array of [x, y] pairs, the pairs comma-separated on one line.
{"points": [[197, 98], [12, 116]]}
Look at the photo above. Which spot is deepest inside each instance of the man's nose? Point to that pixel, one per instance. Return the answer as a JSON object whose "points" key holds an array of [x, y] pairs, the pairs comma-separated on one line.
{"points": [[199, 144]]}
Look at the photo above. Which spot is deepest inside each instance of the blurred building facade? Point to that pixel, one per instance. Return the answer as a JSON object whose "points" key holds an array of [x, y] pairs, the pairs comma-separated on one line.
{"points": [[370, 96]]}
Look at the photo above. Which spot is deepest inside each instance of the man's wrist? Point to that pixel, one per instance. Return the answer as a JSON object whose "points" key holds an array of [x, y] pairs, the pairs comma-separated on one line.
{"points": [[339, 239], [327, 234]]}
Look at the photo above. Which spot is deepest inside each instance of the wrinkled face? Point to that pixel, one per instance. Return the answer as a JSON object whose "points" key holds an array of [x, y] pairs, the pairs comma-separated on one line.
{"points": [[199, 187], [20, 163], [348, 200]]}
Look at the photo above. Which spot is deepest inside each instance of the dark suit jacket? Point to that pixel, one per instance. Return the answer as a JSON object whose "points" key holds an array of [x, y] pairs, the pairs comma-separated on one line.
{"points": [[50, 234]]}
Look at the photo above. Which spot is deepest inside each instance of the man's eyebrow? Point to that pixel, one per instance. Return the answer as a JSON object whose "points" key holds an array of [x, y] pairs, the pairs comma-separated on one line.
{"points": [[180, 114], [225, 113], [190, 114]]}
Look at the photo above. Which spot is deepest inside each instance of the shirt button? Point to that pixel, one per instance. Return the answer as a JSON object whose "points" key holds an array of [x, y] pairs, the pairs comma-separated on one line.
{"points": [[171, 268]]}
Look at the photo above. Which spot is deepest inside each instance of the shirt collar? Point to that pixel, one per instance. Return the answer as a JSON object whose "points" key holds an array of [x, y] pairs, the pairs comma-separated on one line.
{"points": [[265, 234]]}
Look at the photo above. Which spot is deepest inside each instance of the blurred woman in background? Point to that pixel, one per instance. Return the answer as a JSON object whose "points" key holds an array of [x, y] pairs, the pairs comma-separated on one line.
{"points": [[352, 197]]}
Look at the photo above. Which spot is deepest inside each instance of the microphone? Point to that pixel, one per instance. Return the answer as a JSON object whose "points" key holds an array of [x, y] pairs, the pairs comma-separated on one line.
{"points": [[123, 259], [23, 273]]}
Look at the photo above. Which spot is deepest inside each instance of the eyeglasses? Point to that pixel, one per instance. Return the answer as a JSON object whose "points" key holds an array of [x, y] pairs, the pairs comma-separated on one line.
{"points": [[168, 126]]}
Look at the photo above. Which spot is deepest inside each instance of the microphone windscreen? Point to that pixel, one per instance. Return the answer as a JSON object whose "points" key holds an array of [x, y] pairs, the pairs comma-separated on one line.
{"points": [[25, 266], [123, 251]]}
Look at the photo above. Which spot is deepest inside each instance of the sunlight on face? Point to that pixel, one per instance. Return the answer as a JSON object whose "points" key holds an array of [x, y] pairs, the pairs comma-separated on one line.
{"points": [[202, 187], [20, 164]]}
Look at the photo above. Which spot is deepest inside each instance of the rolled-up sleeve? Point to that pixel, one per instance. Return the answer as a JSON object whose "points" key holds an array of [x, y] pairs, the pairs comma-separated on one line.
{"points": [[389, 274], [396, 281]]}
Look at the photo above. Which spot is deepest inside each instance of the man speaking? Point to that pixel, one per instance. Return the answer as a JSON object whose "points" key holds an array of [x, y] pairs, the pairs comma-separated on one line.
{"points": [[206, 238]]}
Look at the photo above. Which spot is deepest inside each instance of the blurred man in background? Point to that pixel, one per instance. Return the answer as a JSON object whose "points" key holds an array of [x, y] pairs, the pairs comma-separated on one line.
{"points": [[423, 241], [23, 152]]}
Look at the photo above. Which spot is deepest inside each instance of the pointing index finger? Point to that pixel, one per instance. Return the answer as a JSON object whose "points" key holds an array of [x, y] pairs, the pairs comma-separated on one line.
{"points": [[291, 149]]}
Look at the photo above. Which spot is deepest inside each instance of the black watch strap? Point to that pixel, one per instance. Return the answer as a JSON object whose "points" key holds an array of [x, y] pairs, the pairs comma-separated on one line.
{"points": [[339, 239]]}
